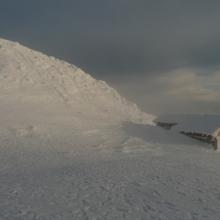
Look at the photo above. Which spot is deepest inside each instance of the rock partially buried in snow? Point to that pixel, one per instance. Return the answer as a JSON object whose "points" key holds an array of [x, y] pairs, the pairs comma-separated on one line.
{"points": [[44, 91]]}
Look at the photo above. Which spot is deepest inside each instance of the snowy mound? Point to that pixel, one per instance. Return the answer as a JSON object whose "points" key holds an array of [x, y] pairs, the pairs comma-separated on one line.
{"points": [[37, 89]]}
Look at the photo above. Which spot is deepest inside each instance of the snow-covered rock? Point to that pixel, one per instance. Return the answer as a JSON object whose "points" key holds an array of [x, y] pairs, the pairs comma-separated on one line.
{"points": [[37, 90]]}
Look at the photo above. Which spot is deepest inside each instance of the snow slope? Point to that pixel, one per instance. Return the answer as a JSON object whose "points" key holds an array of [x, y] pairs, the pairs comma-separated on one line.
{"points": [[37, 89], [72, 148], [155, 182]]}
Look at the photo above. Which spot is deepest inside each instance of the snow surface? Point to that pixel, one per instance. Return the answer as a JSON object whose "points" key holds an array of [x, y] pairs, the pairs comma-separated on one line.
{"points": [[41, 89], [72, 148], [130, 180]]}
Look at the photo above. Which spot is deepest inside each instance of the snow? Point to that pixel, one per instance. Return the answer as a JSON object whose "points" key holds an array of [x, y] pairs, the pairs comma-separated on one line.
{"points": [[45, 86], [218, 143], [217, 132], [147, 182], [72, 148]]}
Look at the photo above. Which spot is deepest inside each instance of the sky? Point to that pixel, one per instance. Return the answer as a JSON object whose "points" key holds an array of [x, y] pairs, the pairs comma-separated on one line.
{"points": [[163, 55]]}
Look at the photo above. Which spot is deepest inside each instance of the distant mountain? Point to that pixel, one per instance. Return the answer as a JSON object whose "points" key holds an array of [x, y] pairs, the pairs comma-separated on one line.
{"points": [[39, 90]]}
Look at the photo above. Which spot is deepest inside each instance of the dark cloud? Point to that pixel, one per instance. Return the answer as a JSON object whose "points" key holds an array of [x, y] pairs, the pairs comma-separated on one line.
{"points": [[120, 40]]}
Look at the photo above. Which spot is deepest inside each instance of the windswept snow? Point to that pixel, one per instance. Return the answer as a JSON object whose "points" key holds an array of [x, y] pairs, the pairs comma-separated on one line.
{"points": [[72, 148], [40, 89], [148, 182]]}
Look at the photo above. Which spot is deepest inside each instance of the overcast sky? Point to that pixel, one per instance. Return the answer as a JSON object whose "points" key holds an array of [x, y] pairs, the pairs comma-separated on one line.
{"points": [[162, 54]]}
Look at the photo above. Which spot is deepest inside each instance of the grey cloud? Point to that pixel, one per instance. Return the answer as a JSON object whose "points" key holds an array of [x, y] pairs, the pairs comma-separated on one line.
{"points": [[122, 41], [178, 91], [152, 34]]}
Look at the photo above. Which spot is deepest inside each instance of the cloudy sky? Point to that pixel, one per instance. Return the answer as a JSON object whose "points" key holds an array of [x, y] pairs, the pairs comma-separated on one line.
{"points": [[162, 54]]}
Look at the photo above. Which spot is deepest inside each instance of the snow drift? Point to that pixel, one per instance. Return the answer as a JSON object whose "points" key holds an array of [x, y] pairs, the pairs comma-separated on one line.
{"points": [[37, 90]]}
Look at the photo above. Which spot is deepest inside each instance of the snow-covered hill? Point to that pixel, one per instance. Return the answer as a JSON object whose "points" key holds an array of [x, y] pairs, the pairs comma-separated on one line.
{"points": [[71, 148], [37, 90]]}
